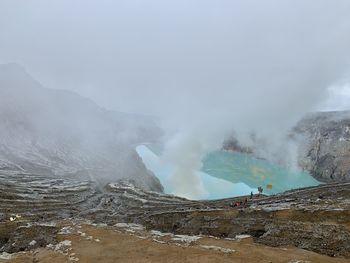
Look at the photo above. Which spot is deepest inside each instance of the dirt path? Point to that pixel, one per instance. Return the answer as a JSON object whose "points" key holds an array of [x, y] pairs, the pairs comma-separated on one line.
{"points": [[91, 243]]}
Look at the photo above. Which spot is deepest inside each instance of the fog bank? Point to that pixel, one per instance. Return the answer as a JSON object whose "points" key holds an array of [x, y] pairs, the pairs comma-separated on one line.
{"points": [[207, 69]]}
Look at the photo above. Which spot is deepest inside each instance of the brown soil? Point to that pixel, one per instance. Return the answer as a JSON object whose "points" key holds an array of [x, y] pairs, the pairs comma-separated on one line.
{"points": [[109, 244]]}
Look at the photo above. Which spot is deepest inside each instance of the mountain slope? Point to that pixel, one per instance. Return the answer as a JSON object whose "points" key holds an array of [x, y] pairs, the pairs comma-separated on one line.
{"points": [[59, 132], [325, 150]]}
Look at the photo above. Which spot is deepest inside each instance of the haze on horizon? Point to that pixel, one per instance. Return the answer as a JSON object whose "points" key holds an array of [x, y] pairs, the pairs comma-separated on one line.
{"points": [[125, 53]]}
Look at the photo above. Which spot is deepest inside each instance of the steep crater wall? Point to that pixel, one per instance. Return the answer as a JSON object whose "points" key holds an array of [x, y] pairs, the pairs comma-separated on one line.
{"points": [[325, 150], [322, 140]]}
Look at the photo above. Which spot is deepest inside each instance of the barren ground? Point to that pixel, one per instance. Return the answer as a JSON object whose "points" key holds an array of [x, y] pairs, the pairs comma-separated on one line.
{"points": [[94, 243]]}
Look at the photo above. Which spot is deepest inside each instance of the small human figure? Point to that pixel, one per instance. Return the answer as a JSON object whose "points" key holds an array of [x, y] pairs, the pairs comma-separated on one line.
{"points": [[245, 201], [251, 195]]}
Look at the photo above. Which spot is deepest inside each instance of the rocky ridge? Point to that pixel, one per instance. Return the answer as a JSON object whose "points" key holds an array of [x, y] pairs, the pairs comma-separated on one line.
{"points": [[59, 133], [325, 148]]}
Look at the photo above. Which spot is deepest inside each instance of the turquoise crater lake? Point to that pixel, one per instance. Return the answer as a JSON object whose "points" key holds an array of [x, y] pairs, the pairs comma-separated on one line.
{"points": [[228, 174]]}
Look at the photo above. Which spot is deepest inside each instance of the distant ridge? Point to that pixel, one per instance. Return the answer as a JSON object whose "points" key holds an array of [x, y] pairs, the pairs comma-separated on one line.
{"points": [[59, 132]]}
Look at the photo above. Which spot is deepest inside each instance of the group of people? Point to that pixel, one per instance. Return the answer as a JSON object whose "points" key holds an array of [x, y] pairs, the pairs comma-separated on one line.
{"points": [[244, 202], [239, 204]]}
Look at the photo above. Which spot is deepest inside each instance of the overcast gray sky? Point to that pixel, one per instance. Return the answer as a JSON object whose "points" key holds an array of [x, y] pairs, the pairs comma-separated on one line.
{"points": [[185, 58]]}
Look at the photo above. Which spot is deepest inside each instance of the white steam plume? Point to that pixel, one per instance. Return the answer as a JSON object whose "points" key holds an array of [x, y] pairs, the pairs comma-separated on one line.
{"points": [[207, 68]]}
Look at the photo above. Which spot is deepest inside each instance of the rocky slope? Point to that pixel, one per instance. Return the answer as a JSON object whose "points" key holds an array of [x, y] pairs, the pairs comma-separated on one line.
{"points": [[58, 133], [323, 143], [325, 149]]}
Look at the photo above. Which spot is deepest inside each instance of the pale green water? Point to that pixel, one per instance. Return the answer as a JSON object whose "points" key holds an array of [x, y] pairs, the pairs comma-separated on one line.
{"points": [[238, 167], [228, 174]]}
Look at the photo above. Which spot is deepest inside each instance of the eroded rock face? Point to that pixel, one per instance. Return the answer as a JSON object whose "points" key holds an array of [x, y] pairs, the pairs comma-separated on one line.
{"points": [[30, 237], [315, 219], [325, 150], [329, 239]]}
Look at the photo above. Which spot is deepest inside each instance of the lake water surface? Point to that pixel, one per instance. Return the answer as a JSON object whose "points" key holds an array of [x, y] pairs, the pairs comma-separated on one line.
{"points": [[227, 174]]}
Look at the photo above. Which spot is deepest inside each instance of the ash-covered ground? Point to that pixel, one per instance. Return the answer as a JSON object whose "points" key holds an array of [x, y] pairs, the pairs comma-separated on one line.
{"points": [[316, 219]]}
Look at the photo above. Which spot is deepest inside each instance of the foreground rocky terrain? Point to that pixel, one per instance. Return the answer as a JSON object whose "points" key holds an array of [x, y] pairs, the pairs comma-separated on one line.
{"points": [[315, 219], [80, 241]]}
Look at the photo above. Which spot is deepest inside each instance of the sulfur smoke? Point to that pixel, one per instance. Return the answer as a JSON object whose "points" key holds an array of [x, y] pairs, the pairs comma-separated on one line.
{"points": [[208, 69]]}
